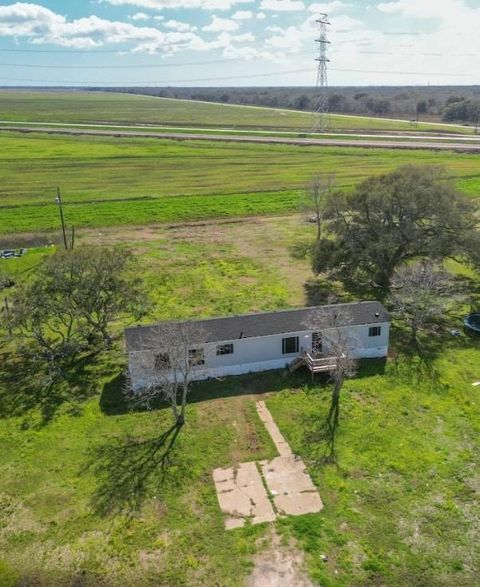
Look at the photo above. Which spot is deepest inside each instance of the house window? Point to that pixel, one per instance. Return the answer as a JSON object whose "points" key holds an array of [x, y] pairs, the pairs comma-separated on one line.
{"points": [[375, 331], [225, 349], [290, 345], [196, 357], [162, 361]]}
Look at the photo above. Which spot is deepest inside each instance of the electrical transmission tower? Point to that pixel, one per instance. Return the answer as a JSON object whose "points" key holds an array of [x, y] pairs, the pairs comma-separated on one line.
{"points": [[320, 110]]}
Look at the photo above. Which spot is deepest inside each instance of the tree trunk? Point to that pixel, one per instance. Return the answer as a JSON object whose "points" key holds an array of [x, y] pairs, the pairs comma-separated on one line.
{"points": [[176, 415], [181, 417], [333, 417], [319, 227]]}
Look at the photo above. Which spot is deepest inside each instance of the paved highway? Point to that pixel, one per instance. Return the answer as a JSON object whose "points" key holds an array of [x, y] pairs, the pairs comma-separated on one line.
{"points": [[381, 143]]}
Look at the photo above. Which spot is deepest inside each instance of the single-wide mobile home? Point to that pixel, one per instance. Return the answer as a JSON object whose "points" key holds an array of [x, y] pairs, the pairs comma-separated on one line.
{"points": [[217, 347]]}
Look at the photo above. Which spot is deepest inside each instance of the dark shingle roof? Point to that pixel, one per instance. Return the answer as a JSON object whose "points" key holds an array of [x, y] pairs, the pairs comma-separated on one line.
{"points": [[266, 323]]}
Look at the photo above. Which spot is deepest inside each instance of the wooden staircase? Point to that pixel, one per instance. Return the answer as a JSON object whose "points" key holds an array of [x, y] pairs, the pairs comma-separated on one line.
{"points": [[296, 363], [313, 364]]}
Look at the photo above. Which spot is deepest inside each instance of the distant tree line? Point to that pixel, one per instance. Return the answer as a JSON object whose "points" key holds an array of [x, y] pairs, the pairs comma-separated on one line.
{"points": [[462, 109], [450, 103]]}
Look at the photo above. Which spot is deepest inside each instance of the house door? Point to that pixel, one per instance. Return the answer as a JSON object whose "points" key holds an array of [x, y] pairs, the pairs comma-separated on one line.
{"points": [[316, 342]]}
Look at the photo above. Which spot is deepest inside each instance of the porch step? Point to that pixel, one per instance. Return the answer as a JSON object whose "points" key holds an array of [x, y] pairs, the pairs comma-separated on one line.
{"points": [[296, 364]]}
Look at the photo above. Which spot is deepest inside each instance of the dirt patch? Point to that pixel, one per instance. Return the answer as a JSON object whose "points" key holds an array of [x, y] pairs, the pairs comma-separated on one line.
{"points": [[266, 240], [279, 566]]}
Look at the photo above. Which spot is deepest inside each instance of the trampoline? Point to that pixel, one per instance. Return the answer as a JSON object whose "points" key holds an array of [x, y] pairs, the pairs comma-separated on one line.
{"points": [[472, 323]]}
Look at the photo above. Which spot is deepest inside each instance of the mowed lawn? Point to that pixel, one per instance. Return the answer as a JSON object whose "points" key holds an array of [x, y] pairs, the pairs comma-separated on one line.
{"points": [[85, 500], [108, 107], [117, 181]]}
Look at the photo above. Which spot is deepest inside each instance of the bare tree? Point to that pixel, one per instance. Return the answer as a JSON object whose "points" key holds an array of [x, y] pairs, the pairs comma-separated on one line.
{"points": [[170, 356], [338, 342], [315, 198], [421, 295]]}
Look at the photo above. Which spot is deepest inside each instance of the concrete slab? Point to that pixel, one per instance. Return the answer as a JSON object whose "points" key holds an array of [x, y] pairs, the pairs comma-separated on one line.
{"points": [[298, 504], [232, 523], [241, 495], [266, 417], [291, 486]]}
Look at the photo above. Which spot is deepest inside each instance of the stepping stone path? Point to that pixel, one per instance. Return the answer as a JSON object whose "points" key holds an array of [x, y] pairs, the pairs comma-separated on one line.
{"points": [[261, 491]]}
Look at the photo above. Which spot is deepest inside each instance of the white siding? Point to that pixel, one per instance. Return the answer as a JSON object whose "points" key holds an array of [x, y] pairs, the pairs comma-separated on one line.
{"points": [[264, 353]]}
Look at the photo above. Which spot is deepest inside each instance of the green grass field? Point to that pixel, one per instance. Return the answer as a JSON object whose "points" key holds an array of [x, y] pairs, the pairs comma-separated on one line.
{"points": [[95, 107], [84, 501], [107, 181]]}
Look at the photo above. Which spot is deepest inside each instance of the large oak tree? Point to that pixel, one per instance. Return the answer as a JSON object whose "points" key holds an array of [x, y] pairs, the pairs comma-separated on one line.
{"points": [[413, 212], [73, 298]]}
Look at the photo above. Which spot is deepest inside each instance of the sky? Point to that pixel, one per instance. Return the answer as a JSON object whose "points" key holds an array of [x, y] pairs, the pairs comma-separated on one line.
{"points": [[238, 42]]}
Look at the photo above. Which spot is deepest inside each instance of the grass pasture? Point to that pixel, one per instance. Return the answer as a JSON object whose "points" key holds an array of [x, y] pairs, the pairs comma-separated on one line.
{"points": [[104, 108], [107, 181], [91, 495], [83, 496], [402, 503]]}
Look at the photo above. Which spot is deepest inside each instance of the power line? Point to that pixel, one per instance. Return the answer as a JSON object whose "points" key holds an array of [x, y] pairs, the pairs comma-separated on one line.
{"points": [[390, 72], [136, 66], [132, 66], [226, 78], [123, 82], [63, 51]]}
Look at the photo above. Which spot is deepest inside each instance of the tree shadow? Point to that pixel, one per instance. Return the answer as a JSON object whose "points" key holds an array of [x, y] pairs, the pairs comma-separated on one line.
{"points": [[321, 291], [127, 470], [418, 360], [317, 439], [114, 401], [28, 385]]}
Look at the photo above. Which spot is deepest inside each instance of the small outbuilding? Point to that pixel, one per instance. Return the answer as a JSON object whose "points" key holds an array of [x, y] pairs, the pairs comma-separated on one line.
{"points": [[233, 345]]}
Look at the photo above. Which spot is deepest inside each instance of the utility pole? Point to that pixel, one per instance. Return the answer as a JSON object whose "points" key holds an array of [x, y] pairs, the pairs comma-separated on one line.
{"points": [[58, 200], [320, 110]]}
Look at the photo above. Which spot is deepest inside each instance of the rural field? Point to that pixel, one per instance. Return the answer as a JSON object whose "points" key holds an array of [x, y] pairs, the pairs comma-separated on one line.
{"points": [[87, 497], [103, 108], [106, 181], [84, 499]]}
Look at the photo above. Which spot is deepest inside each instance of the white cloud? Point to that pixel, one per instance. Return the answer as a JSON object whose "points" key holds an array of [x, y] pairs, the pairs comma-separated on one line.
{"points": [[424, 8], [242, 15], [218, 25], [328, 7], [261, 16], [41, 25], [181, 27], [179, 4], [345, 23], [139, 16], [282, 5]]}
